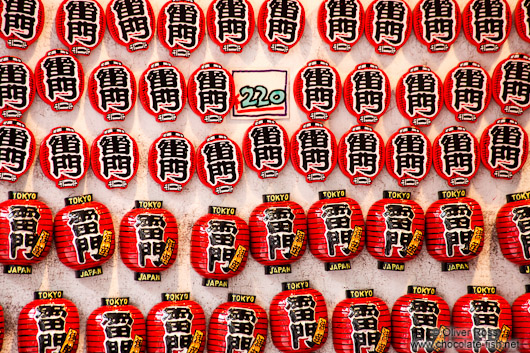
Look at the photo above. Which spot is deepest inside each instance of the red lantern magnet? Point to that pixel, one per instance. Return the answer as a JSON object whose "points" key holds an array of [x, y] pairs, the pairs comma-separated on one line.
{"points": [[231, 24], [64, 157], [281, 24], [181, 27], [487, 24], [171, 161], [521, 18], [394, 230], [456, 155], [408, 156], [114, 155], [26, 226], [420, 319], [467, 91], [299, 318], [361, 154], [49, 323], [317, 90], [162, 91], [18, 84], [419, 95], [278, 227], [17, 150], [84, 235], [116, 326], [60, 80], [219, 164], [521, 317], [509, 79], [314, 152], [481, 320], [220, 242], [148, 240], [131, 23], [112, 90], [335, 226], [22, 22], [437, 24], [211, 92], [367, 93], [388, 25], [238, 325], [340, 23], [266, 148], [176, 324], [361, 323], [80, 25], [504, 148], [455, 230]]}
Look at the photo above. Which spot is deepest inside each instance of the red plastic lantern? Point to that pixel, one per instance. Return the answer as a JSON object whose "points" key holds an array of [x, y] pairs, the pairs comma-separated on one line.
{"points": [[266, 148], [504, 148], [507, 78], [231, 24], [131, 23], [388, 25], [281, 24], [482, 320], [521, 317], [49, 323], [116, 326], [314, 151], [408, 156], [162, 91], [394, 230], [114, 156], [317, 90], [211, 92], [437, 24], [455, 230], [22, 22], [23, 87], [176, 324], [171, 161], [104, 80], [84, 235], [220, 242], [278, 227], [467, 91], [367, 93], [64, 157], [238, 325], [521, 18], [26, 231], [332, 12], [360, 142], [477, 16], [420, 319], [361, 322], [299, 318], [456, 155], [335, 228], [420, 107], [80, 25], [18, 146]]}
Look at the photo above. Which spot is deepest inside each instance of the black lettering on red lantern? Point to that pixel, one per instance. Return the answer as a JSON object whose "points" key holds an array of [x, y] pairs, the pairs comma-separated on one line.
{"points": [[17, 150], [388, 25], [231, 24], [511, 84], [17, 87], [281, 24], [437, 24], [22, 22], [340, 23], [131, 23], [521, 18]]}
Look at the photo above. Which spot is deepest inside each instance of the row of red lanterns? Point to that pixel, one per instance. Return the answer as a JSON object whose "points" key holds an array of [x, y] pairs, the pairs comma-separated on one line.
{"points": [[482, 321]]}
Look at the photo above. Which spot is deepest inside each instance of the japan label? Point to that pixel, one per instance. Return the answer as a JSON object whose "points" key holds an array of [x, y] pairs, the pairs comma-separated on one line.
{"points": [[131, 23], [17, 150], [17, 87], [388, 25], [340, 23], [281, 24], [487, 24], [231, 24], [511, 84], [437, 24], [21, 22]]}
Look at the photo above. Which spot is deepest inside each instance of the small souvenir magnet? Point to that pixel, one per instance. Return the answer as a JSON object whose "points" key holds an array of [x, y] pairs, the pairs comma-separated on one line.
{"points": [[17, 150], [340, 23], [17, 87], [510, 79], [388, 25], [437, 24], [231, 24], [131, 23], [22, 22]]}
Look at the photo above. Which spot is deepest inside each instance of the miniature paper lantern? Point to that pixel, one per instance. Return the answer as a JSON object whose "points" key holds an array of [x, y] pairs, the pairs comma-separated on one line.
{"points": [[136, 33], [509, 74], [20, 28], [231, 35], [388, 25], [18, 143], [521, 317], [23, 87], [437, 24], [341, 38], [521, 18]]}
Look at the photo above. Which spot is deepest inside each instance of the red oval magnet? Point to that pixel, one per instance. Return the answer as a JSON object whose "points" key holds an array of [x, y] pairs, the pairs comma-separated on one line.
{"points": [[131, 23], [521, 18], [211, 92], [340, 23], [437, 24], [115, 158], [510, 80], [17, 150], [162, 91], [231, 24], [388, 25], [171, 161], [18, 86], [317, 90], [21, 22], [408, 156], [521, 317], [181, 27], [80, 25], [281, 24]]}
